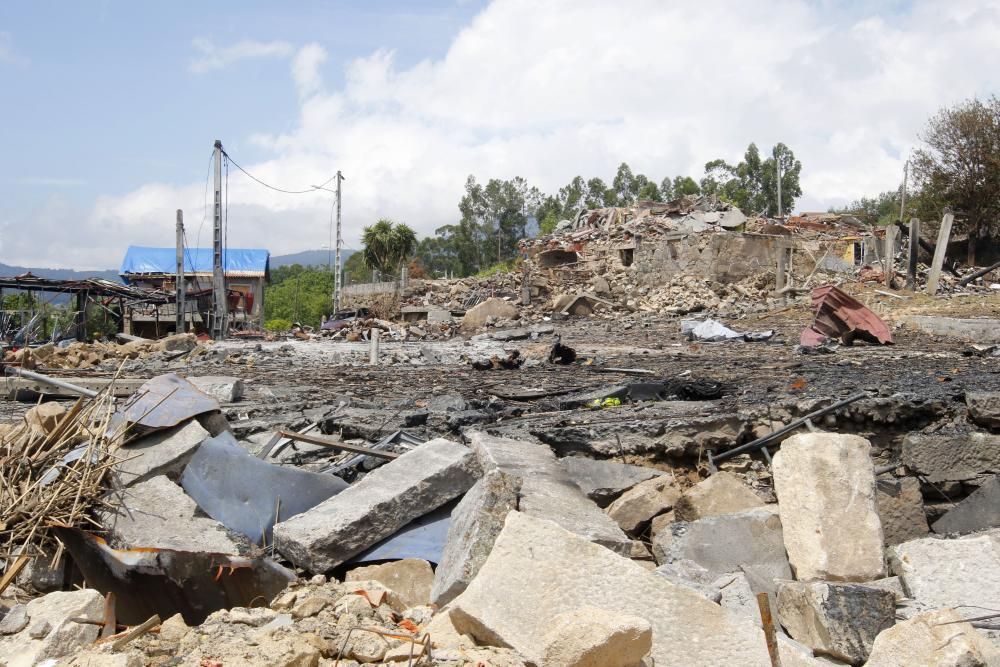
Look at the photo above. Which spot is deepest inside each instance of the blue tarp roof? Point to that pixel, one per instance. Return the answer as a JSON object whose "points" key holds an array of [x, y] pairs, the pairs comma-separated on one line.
{"points": [[235, 261]]}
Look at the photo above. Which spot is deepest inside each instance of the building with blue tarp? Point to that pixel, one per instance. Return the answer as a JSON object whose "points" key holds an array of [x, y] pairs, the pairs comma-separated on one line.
{"points": [[247, 271]]}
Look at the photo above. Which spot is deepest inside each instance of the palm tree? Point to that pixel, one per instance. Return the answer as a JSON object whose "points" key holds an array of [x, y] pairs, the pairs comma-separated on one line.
{"points": [[387, 245]]}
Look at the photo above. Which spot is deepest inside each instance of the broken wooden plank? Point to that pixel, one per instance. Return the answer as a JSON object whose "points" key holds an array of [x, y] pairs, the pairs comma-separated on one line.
{"points": [[336, 444]]}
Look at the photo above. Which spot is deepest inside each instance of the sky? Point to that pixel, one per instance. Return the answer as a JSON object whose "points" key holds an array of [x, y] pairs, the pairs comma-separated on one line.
{"points": [[110, 109]]}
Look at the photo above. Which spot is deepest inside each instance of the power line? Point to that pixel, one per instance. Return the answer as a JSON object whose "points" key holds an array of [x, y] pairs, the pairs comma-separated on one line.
{"points": [[272, 187], [204, 215]]}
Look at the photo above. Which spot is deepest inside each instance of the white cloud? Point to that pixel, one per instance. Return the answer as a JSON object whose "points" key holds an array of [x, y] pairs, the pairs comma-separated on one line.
{"points": [[8, 53], [552, 90], [212, 57]]}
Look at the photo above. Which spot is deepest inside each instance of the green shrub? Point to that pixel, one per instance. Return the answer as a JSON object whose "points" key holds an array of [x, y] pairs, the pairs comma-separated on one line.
{"points": [[278, 324]]}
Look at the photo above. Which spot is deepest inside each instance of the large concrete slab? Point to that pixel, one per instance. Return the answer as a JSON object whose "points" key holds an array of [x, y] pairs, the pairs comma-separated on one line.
{"points": [[547, 492], [979, 511], [538, 570], [748, 541], [972, 330], [157, 513], [721, 493], [933, 639], [475, 523], [952, 455], [160, 453], [901, 509], [839, 620], [604, 481], [223, 388], [384, 501], [825, 483], [963, 572]]}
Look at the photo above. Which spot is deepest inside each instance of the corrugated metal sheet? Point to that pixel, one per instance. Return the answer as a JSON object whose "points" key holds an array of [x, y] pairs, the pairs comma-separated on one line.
{"points": [[236, 262]]}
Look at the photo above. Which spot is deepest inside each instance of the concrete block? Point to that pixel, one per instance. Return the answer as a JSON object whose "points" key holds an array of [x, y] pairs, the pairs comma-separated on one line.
{"points": [[825, 484], [410, 579], [692, 575], [984, 407], [963, 572], [388, 498], [54, 629], [901, 509], [592, 637], [157, 513], [749, 541], [981, 510], [604, 481], [475, 523], [954, 456], [839, 620], [933, 639], [738, 598], [497, 309], [223, 388], [544, 570], [160, 453], [721, 493], [44, 417], [546, 490], [634, 510]]}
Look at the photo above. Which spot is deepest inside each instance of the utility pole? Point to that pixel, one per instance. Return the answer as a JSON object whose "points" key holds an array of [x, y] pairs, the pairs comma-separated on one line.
{"points": [[181, 289], [777, 164], [219, 304], [337, 268]]}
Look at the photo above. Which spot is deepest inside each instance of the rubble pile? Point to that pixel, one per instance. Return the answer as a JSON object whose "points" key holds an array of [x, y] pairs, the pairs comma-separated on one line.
{"points": [[97, 354]]}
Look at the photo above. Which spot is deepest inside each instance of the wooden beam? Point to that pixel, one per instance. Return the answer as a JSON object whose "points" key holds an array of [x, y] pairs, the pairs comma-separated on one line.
{"points": [[940, 250]]}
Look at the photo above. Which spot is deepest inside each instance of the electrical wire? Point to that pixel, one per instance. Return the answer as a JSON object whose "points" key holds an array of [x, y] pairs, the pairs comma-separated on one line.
{"points": [[204, 215], [272, 187]]}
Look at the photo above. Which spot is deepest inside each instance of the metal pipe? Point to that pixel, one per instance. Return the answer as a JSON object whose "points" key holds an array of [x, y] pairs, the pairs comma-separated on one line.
{"points": [[10, 370], [761, 442]]}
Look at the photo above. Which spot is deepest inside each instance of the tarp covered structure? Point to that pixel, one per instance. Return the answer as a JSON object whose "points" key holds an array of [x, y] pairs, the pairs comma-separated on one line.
{"points": [[236, 262]]}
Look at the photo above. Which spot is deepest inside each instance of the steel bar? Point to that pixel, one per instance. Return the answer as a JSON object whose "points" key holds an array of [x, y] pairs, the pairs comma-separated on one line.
{"points": [[10, 370], [335, 444]]}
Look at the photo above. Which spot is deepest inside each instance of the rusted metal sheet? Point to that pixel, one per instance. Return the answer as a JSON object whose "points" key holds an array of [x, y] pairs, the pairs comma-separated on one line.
{"points": [[165, 582], [841, 316]]}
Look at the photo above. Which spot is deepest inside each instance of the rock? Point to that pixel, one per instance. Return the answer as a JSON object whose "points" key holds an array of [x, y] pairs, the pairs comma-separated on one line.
{"points": [[825, 485], [546, 489], [475, 523], [44, 417], [52, 631], [953, 456], [749, 541], [387, 499], [544, 570], [161, 453], [592, 637], [639, 505], [692, 575], [310, 606], [981, 510], [43, 574], [984, 407], [738, 598], [933, 639], [158, 514], [174, 629], [900, 509], [177, 343], [604, 481], [15, 620], [839, 620], [721, 493], [223, 388], [443, 633], [659, 524], [497, 309], [963, 572], [411, 579], [445, 403], [892, 584]]}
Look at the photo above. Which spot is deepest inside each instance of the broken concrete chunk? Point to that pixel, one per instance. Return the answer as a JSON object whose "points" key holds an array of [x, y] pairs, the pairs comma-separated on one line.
{"points": [[498, 309], [475, 523], [984, 407], [44, 417], [933, 639], [692, 575], [410, 579], [161, 453], [57, 626], [639, 505], [839, 620], [952, 456], [546, 489], [158, 514], [604, 481], [979, 511], [223, 388], [721, 493], [963, 572], [825, 485], [15, 620], [548, 570], [588, 637], [384, 501], [749, 541], [901, 509]]}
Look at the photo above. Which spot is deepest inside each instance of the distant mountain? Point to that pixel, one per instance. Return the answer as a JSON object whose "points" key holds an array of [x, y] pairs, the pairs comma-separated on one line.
{"points": [[308, 258], [7, 270]]}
